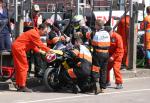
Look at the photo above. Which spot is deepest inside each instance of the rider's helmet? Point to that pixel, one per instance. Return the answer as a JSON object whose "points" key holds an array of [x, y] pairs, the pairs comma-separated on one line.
{"points": [[78, 20]]}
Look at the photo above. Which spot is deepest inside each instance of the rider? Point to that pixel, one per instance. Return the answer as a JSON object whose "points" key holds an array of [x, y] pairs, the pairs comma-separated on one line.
{"points": [[80, 29]]}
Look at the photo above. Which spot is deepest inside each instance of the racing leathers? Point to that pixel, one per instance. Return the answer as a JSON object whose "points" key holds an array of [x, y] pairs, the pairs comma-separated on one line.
{"points": [[82, 32]]}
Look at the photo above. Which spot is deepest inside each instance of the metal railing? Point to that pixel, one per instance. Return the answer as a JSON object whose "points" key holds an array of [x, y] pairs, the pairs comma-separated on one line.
{"points": [[51, 8], [101, 4]]}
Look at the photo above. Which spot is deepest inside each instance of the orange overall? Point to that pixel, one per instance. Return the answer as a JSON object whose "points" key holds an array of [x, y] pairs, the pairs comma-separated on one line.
{"points": [[123, 30], [116, 51], [25, 42], [146, 26]]}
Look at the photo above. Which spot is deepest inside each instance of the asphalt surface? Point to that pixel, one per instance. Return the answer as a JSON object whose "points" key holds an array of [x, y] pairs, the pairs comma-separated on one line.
{"points": [[136, 90]]}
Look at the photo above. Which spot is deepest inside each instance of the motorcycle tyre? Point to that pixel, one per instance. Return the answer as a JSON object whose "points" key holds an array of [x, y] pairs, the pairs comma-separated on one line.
{"points": [[50, 86]]}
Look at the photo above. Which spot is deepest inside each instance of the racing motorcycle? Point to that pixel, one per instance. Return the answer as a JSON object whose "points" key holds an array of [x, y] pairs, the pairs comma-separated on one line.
{"points": [[56, 76]]}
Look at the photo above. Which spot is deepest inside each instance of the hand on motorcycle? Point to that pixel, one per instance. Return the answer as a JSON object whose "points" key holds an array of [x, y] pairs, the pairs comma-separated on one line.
{"points": [[50, 51], [42, 52]]}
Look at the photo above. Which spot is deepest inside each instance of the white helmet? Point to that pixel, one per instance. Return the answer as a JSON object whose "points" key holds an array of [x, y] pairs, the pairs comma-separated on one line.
{"points": [[36, 7]]}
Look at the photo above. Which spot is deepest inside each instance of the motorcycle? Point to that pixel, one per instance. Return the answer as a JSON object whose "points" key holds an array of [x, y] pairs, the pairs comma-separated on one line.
{"points": [[56, 76]]}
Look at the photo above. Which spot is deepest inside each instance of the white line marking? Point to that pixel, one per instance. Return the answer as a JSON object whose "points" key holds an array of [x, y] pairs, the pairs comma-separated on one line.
{"points": [[136, 78], [79, 96], [60, 101]]}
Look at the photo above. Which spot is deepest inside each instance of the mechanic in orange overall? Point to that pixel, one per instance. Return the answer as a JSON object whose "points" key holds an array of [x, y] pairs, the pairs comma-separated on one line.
{"points": [[25, 42], [123, 30], [146, 26], [116, 52]]}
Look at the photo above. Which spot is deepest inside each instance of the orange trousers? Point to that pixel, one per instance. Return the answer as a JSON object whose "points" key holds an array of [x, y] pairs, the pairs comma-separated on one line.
{"points": [[125, 56], [116, 67], [20, 65]]}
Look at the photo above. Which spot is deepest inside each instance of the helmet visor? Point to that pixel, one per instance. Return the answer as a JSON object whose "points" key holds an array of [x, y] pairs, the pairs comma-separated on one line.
{"points": [[76, 25]]}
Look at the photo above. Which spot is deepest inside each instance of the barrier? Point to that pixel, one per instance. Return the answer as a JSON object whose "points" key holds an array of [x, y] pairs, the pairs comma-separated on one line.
{"points": [[6, 70]]}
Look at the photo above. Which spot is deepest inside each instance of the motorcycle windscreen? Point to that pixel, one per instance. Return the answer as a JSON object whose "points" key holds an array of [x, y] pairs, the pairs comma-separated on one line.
{"points": [[59, 46]]}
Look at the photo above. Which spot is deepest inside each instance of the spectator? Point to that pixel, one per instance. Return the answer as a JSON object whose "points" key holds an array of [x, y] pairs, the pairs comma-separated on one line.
{"points": [[33, 19], [27, 41], [5, 39]]}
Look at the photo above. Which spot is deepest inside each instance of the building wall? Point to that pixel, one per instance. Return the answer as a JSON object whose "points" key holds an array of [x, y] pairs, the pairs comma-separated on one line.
{"points": [[47, 5]]}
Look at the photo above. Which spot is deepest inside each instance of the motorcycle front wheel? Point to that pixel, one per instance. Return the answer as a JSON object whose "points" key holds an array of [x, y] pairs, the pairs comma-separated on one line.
{"points": [[51, 80]]}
